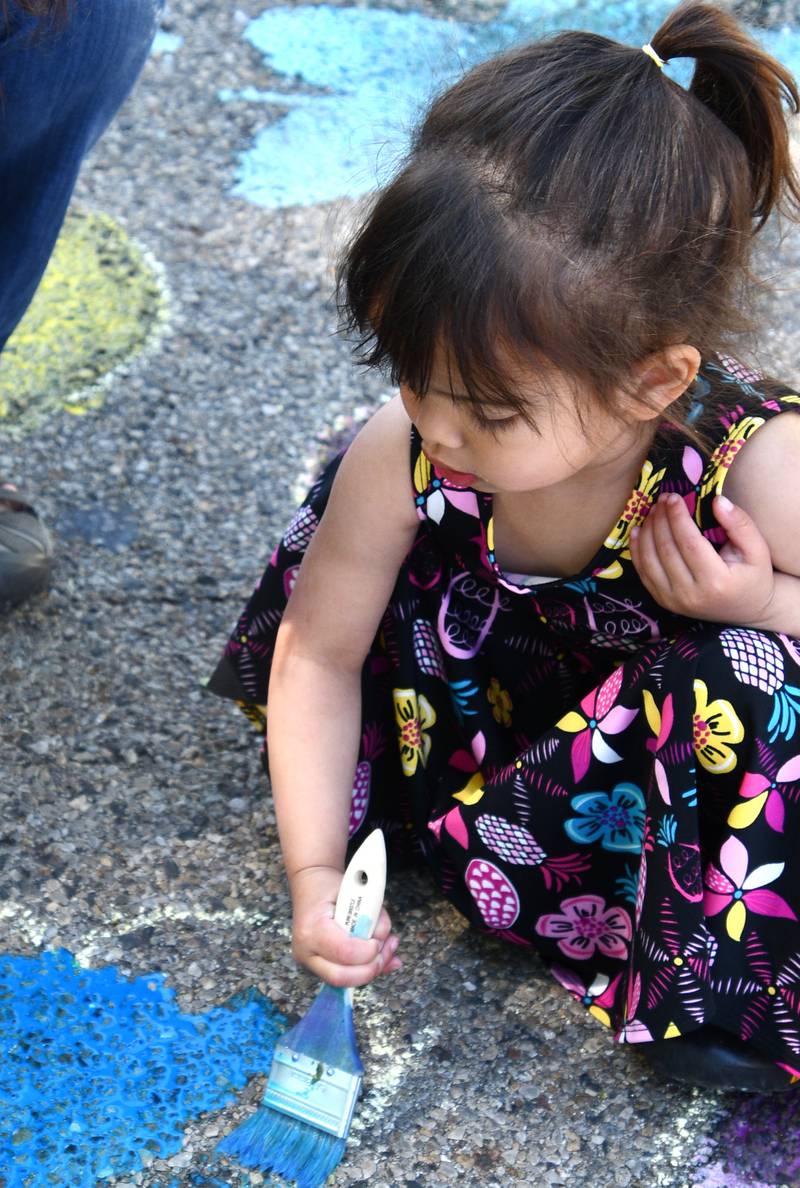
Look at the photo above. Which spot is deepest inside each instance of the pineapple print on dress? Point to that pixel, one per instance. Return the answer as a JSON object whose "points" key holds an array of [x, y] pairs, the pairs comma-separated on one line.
{"points": [[372, 745], [516, 845], [496, 897], [304, 524], [757, 661], [511, 842], [427, 650]]}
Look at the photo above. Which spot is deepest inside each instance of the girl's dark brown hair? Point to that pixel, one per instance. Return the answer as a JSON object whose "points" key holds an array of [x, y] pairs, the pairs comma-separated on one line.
{"points": [[568, 203]]}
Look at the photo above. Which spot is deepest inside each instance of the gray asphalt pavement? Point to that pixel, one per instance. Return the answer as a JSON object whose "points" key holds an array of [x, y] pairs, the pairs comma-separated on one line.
{"points": [[135, 827]]}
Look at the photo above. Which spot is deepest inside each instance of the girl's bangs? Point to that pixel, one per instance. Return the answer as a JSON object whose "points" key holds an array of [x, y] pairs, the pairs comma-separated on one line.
{"points": [[437, 280]]}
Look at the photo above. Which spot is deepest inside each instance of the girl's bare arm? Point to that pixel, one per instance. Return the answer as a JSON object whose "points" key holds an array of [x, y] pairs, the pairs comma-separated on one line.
{"points": [[314, 703]]}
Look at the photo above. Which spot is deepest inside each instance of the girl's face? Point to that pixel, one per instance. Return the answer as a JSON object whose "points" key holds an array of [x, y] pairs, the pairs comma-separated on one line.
{"points": [[496, 450]]}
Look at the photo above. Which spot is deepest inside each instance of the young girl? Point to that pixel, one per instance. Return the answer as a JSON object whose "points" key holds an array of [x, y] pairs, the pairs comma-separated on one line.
{"points": [[530, 636]]}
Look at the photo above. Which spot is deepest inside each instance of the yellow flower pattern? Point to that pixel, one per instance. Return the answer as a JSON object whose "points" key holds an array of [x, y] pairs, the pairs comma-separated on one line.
{"points": [[634, 513], [720, 462], [422, 474], [716, 726], [473, 790], [413, 714], [500, 701]]}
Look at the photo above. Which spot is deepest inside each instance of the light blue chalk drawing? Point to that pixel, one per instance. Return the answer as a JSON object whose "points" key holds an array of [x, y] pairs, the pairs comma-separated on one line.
{"points": [[98, 1073], [356, 81], [166, 43], [371, 70]]}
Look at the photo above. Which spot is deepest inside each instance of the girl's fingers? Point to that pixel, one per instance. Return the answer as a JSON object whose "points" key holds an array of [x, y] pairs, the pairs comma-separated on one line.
{"points": [[670, 549], [744, 536], [337, 974], [340, 948], [646, 559], [697, 554], [343, 949], [344, 975], [383, 927], [391, 961]]}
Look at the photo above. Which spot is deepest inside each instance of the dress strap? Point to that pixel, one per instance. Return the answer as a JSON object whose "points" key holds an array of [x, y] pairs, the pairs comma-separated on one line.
{"points": [[744, 401]]}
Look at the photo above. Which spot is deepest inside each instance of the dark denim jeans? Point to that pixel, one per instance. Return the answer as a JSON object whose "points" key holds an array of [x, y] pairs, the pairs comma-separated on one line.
{"points": [[59, 87]]}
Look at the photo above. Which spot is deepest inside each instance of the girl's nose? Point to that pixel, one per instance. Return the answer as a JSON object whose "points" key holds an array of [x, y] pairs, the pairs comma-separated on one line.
{"points": [[438, 424]]}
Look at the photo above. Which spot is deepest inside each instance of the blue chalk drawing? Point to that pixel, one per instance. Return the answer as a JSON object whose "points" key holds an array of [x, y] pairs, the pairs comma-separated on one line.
{"points": [[166, 43], [97, 1071], [371, 70], [357, 79]]}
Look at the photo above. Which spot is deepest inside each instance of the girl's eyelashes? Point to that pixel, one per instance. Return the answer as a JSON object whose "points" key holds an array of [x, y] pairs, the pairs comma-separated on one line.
{"points": [[493, 425], [483, 422], [498, 425]]}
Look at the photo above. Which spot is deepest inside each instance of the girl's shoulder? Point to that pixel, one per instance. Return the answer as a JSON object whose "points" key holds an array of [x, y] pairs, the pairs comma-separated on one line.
{"points": [[375, 466], [756, 453], [386, 435], [735, 424]]}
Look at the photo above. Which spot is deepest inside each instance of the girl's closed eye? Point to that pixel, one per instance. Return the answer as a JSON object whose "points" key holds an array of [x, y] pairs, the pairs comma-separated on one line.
{"points": [[493, 424], [497, 425]]}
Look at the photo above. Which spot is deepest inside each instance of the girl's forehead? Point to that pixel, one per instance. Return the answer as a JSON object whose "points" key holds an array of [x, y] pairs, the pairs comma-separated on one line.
{"points": [[531, 378]]}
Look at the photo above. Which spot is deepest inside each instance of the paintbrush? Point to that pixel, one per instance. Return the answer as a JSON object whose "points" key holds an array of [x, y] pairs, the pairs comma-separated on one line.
{"points": [[300, 1130]]}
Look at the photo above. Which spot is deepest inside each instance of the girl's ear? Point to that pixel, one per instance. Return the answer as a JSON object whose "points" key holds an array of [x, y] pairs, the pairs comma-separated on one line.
{"points": [[660, 379]]}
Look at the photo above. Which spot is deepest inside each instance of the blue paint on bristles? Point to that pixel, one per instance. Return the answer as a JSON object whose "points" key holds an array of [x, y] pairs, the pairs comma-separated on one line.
{"points": [[286, 1147], [282, 1141]]}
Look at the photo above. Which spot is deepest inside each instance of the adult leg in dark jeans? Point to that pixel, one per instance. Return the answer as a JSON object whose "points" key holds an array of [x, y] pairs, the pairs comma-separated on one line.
{"points": [[62, 79]]}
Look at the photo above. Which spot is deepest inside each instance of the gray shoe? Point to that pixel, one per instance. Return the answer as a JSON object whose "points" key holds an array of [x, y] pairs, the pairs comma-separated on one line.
{"points": [[26, 548]]}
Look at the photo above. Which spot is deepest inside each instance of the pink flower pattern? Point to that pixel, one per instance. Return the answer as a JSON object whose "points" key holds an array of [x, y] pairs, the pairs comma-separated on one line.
{"points": [[760, 792], [585, 924], [601, 716], [732, 888]]}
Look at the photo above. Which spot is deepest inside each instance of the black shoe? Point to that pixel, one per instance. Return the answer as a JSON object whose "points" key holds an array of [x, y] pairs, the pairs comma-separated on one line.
{"points": [[26, 548], [711, 1058]]}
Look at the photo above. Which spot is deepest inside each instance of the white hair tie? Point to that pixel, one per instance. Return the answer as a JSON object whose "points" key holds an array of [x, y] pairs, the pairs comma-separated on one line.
{"points": [[651, 53]]}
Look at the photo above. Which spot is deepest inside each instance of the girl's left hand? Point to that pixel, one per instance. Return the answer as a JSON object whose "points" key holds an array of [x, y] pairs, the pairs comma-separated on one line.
{"points": [[685, 574]]}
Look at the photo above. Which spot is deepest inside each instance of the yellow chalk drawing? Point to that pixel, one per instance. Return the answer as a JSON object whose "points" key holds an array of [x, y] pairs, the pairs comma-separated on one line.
{"points": [[98, 303]]}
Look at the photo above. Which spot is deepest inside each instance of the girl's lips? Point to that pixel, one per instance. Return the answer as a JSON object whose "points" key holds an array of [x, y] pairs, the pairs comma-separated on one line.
{"points": [[456, 478]]}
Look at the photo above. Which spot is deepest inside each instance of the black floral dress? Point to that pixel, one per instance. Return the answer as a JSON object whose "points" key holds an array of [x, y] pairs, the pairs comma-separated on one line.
{"points": [[583, 771]]}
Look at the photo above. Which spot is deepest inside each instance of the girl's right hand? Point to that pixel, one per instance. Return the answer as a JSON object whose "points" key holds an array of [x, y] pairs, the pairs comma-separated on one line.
{"points": [[323, 946]]}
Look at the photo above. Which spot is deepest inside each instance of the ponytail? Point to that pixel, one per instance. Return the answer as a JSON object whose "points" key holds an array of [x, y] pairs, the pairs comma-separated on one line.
{"points": [[747, 89]]}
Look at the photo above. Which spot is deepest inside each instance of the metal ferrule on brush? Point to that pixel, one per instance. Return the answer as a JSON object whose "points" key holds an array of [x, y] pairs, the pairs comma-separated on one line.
{"points": [[324, 1097], [316, 1070]]}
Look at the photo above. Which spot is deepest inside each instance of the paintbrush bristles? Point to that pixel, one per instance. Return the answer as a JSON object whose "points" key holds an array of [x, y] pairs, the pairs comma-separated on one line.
{"points": [[269, 1141]]}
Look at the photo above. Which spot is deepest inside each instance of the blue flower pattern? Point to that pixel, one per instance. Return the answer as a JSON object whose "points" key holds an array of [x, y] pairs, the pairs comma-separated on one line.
{"points": [[616, 820]]}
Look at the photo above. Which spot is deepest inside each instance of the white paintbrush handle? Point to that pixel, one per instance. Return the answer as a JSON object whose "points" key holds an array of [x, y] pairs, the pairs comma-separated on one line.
{"points": [[360, 898]]}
